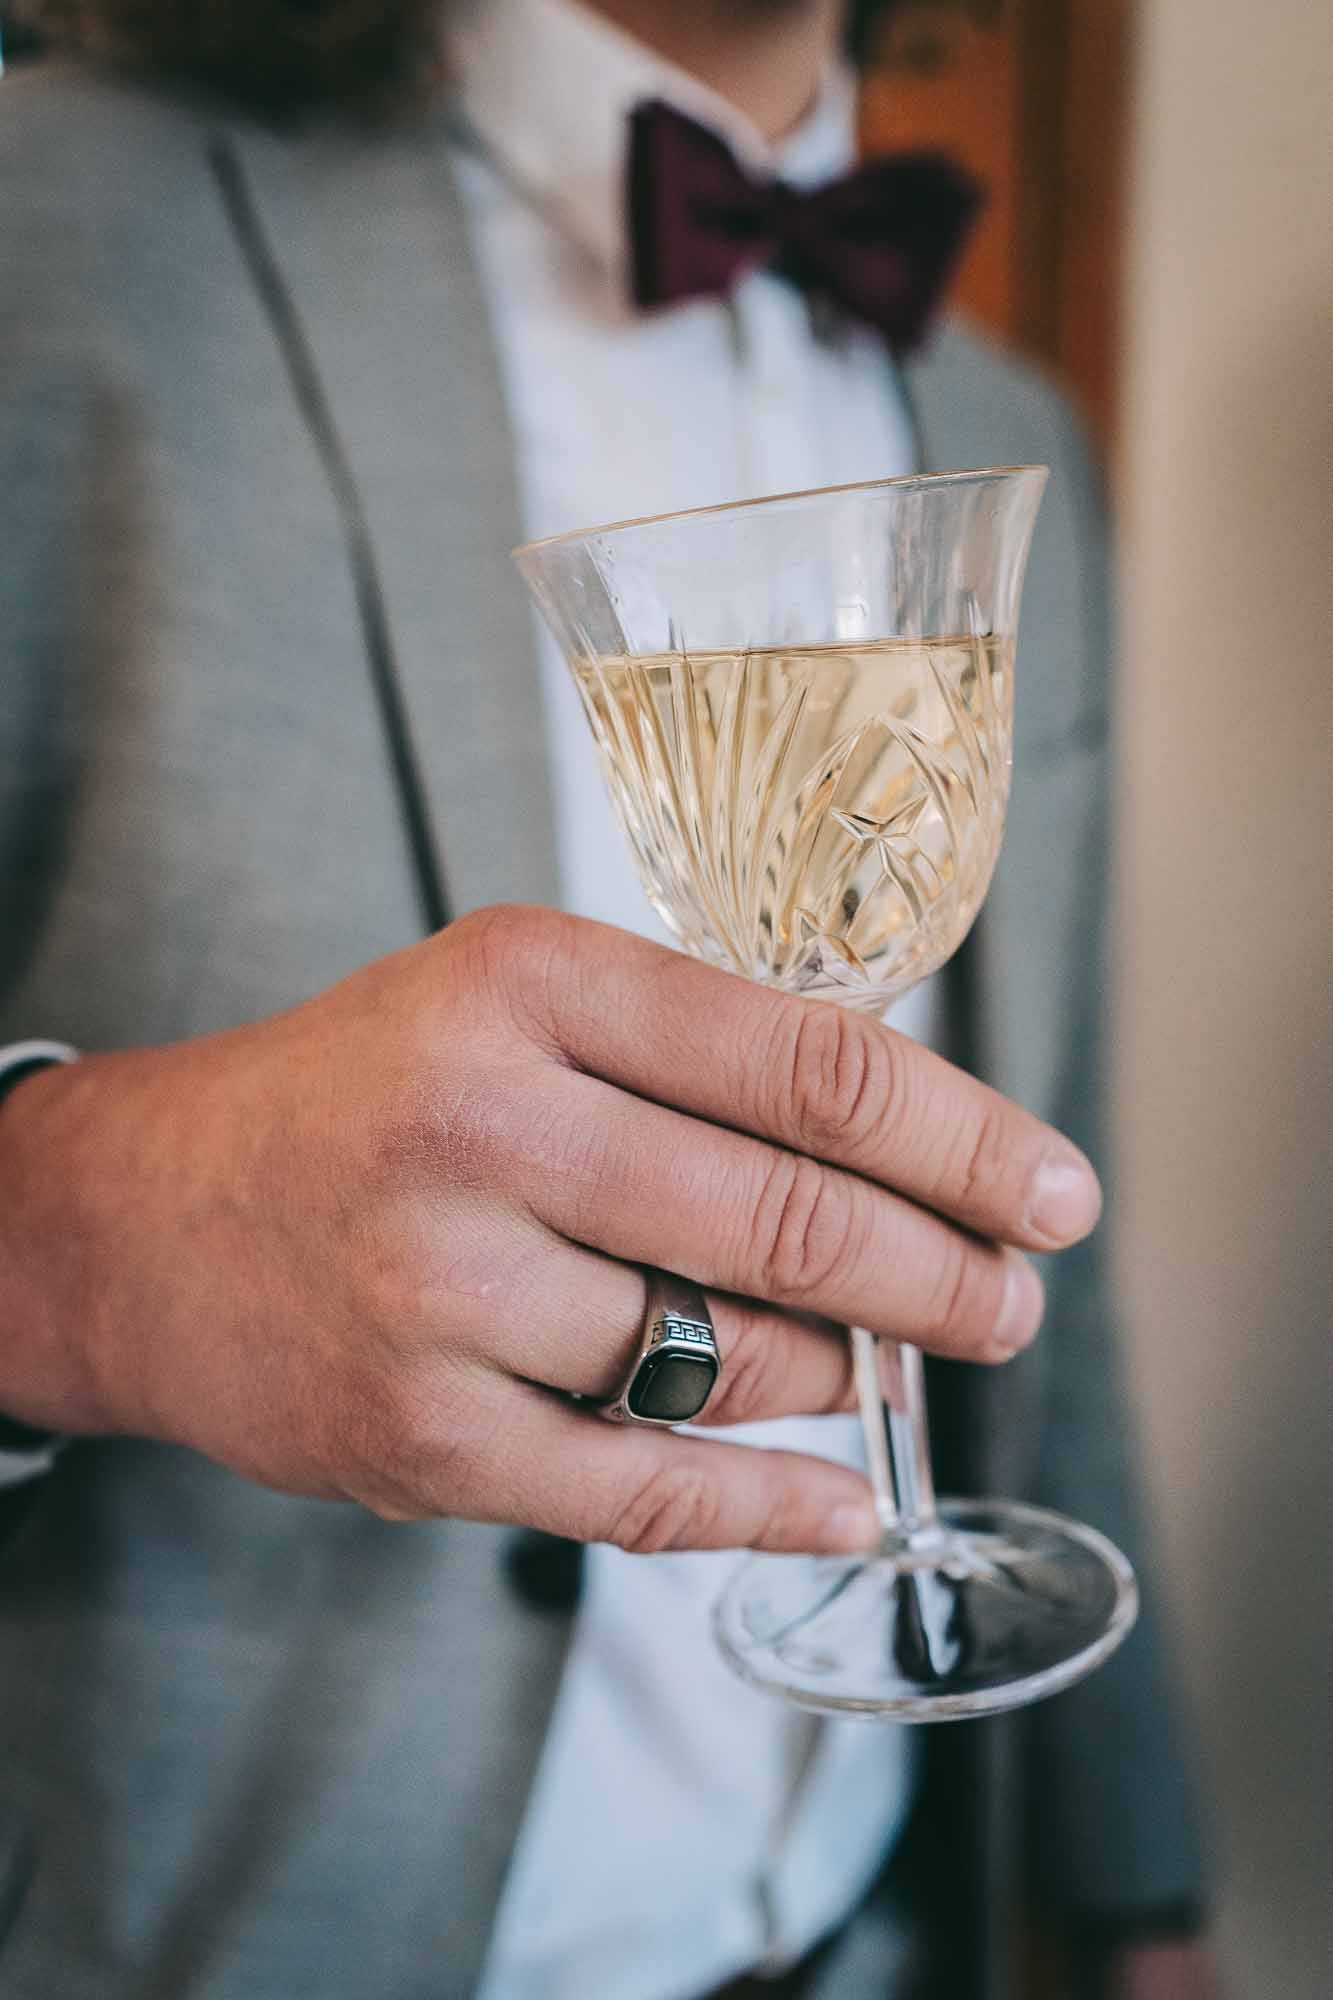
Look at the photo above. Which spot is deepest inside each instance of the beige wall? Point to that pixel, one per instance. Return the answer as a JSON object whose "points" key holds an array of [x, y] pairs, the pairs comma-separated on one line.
{"points": [[1225, 973]]}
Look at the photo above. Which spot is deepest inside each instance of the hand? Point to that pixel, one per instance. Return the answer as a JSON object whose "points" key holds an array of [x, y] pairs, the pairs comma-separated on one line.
{"points": [[1171, 1969], [365, 1248]]}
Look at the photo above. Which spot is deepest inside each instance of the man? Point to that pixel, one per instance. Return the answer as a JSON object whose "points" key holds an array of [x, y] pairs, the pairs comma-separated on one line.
{"points": [[276, 401]]}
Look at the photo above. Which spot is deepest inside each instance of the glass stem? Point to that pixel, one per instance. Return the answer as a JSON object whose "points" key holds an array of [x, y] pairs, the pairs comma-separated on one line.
{"points": [[891, 1396]]}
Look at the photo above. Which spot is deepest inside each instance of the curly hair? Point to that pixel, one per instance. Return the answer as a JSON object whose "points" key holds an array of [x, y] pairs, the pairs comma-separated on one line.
{"points": [[282, 57], [274, 56]]}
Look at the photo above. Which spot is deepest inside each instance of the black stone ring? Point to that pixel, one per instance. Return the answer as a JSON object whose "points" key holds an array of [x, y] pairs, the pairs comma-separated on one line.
{"points": [[676, 1368]]}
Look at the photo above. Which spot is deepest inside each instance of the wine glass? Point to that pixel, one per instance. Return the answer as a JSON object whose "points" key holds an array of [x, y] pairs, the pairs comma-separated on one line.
{"points": [[803, 707]]}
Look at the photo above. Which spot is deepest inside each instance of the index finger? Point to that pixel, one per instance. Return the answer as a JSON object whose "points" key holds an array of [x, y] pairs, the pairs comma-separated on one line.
{"points": [[821, 1080]]}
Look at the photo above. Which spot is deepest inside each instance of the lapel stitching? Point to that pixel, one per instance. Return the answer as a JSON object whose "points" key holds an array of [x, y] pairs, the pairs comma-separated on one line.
{"points": [[311, 399]]}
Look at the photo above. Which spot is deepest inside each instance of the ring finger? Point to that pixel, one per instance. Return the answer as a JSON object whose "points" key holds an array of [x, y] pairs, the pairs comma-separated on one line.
{"points": [[575, 1322], [734, 1213]]}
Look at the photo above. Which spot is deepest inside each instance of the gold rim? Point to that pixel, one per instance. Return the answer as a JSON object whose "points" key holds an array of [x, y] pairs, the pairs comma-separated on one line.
{"points": [[776, 500]]}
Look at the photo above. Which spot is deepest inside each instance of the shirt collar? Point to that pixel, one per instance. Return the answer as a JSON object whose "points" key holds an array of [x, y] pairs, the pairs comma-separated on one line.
{"points": [[548, 85]]}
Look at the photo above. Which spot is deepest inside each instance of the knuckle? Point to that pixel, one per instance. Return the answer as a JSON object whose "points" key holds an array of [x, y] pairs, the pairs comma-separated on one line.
{"points": [[372, 1422], [744, 1388], [493, 935], [521, 959], [781, 1513], [963, 1303], [392, 1284], [985, 1157], [489, 946], [466, 1125], [479, 1125], [843, 1078], [407, 1441], [804, 1227], [675, 1507], [355, 1435]]}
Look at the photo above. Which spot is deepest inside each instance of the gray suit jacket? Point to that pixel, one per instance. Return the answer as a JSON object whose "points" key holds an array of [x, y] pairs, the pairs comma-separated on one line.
{"points": [[261, 1748]]}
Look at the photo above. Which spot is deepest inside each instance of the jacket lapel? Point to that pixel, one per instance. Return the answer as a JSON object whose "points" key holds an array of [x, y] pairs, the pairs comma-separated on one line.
{"points": [[1019, 949], [370, 238], [1011, 1007]]}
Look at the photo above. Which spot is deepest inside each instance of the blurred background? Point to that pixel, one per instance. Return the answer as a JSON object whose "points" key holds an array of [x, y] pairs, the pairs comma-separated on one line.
{"points": [[1160, 233]]}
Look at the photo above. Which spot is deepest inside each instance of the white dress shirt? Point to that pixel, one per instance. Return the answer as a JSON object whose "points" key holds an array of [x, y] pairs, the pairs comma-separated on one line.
{"points": [[681, 1828]]}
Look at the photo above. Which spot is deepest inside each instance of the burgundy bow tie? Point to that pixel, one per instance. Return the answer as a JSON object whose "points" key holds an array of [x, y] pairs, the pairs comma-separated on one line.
{"points": [[879, 243]]}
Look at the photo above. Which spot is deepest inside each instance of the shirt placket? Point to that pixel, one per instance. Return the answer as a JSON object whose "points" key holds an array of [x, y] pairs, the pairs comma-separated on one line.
{"points": [[777, 448]]}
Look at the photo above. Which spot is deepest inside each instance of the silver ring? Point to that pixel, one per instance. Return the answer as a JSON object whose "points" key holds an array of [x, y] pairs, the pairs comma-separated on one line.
{"points": [[677, 1365]]}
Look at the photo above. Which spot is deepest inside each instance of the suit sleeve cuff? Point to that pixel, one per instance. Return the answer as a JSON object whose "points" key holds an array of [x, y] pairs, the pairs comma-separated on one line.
{"points": [[25, 1452], [20, 1059]]}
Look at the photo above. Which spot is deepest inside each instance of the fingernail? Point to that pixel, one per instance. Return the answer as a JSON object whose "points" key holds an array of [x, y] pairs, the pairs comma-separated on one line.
{"points": [[850, 1528], [1021, 1307], [1065, 1197]]}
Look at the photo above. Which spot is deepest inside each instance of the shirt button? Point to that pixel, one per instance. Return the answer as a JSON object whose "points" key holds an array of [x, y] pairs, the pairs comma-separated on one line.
{"points": [[545, 1572]]}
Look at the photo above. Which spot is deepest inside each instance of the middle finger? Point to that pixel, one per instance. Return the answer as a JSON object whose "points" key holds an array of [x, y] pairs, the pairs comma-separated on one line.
{"points": [[653, 1186]]}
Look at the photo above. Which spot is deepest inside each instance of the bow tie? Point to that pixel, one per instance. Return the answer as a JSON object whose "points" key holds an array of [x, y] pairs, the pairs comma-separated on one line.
{"points": [[880, 243]]}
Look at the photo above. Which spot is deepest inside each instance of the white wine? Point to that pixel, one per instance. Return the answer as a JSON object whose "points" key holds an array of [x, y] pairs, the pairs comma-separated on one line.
{"points": [[822, 818]]}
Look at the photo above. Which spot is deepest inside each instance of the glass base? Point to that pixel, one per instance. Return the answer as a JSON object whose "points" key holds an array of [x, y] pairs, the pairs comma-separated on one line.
{"points": [[1000, 1605]]}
